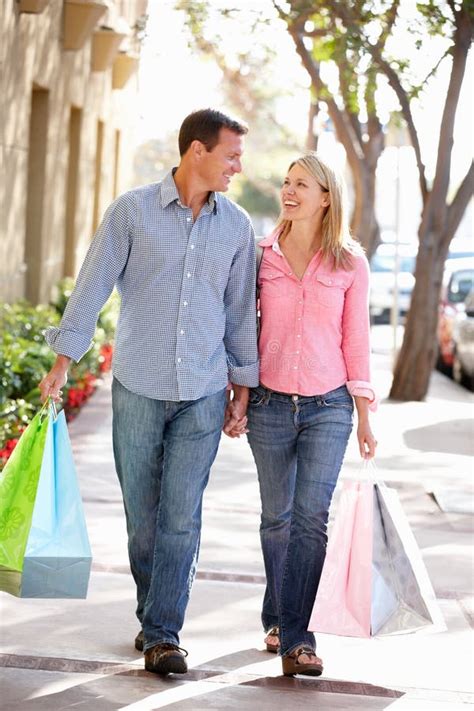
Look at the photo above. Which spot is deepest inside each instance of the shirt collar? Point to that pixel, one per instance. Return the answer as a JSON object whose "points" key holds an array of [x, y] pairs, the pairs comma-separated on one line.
{"points": [[272, 241], [169, 193]]}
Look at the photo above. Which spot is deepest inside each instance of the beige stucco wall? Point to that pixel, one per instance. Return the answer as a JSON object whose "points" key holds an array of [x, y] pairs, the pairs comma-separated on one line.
{"points": [[32, 56]]}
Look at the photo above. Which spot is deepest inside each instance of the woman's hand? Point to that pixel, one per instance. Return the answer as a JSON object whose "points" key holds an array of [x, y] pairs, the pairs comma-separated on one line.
{"points": [[366, 439], [239, 428]]}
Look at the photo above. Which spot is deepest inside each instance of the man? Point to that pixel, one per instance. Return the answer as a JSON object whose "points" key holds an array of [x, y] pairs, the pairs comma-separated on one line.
{"points": [[183, 259]]}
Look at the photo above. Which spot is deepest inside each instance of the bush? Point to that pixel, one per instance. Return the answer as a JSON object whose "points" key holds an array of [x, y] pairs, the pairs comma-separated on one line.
{"points": [[25, 358]]}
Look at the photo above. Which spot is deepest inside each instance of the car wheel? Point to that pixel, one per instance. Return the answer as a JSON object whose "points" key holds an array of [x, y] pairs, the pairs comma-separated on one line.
{"points": [[458, 373], [442, 366]]}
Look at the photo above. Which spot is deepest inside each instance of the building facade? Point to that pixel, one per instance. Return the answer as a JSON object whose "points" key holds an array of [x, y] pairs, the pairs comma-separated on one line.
{"points": [[67, 107]]}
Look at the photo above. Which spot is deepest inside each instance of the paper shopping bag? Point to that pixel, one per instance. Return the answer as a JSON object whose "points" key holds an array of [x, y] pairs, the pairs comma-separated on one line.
{"points": [[18, 487], [344, 594], [397, 595], [403, 599], [57, 556]]}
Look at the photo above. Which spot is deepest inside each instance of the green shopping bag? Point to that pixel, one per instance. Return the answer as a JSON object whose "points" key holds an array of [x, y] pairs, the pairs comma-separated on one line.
{"points": [[18, 486]]}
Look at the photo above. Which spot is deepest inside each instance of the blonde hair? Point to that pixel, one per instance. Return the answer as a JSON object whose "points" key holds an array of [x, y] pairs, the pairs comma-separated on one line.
{"points": [[337, 246]]}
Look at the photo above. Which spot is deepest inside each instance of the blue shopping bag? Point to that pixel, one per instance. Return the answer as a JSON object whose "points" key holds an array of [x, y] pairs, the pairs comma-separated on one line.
{"points": [[58, 557]]}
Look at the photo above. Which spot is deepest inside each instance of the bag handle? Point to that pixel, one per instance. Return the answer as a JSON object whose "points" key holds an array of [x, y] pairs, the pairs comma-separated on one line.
{"points": [[49, 408]]}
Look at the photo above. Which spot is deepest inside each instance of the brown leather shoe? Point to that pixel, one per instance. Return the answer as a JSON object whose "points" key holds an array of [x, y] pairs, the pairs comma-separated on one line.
{"points": [[292, 665], [166, 658], [270, 644], [139, 641]]}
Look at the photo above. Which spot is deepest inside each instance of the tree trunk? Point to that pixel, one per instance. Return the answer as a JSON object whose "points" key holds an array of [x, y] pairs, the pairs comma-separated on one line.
{"points": [[364, 225], [311, 136], [418, 352]]}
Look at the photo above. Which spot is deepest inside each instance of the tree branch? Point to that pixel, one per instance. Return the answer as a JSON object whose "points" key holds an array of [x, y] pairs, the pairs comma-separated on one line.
{"points": [[351, 21], [462, 40], [458, 206], [345, 134]]}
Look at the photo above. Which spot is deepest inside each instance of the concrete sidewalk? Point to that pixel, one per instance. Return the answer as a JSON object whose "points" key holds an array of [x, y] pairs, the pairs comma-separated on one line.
{"points": [[62, 654]]}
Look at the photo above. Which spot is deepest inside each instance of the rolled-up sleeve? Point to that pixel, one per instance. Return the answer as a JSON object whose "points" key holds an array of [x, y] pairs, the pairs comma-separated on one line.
{"points": [[356, 334], [240, 338], [104, 262]]}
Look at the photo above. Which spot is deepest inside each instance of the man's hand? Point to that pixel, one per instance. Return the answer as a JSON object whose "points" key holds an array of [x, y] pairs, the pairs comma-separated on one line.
{"points": [[235, 420], [52, 383]]}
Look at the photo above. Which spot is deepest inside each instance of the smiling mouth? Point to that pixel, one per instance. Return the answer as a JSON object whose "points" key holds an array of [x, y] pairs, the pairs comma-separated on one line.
{"points": [[290, 203]]}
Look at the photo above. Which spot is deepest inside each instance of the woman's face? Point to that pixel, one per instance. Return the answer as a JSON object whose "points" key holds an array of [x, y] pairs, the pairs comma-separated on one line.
{"points": [[302, 198]]}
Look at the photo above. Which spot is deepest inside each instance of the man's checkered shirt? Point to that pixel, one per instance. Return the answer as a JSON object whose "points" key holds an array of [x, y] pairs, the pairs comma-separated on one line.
{"points": [[187, 316]]}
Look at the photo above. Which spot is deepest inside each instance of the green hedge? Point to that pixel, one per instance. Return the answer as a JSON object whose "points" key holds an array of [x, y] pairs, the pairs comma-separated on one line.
{"points": [[25, 358]]}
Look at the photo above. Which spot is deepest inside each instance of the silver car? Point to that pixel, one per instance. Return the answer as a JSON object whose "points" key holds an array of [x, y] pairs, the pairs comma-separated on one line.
{"points": [[382, 280], [463, 340]]}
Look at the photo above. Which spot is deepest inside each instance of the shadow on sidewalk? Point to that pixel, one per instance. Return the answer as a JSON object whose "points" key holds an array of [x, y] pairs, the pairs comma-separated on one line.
{"points": [[450, 437], [221, 683]]}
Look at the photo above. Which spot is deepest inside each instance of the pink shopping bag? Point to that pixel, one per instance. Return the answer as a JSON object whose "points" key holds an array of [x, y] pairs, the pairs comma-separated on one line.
{"points": [[374, 580], [343, 602]]}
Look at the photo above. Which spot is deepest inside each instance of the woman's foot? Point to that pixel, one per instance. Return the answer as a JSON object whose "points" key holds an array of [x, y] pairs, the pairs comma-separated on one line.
{"points": [[272, 640], [302, 660]]}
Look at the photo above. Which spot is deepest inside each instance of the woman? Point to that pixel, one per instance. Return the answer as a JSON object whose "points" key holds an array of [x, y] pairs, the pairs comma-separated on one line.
{"points": [[314, 363]]}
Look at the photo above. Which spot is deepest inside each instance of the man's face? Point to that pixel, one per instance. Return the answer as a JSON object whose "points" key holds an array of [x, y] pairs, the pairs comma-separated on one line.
{"points": [[219, 165]]}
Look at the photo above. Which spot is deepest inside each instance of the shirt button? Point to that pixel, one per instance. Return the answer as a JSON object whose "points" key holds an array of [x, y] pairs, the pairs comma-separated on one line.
{"points": [[188, 219], [192, 246], [188, 274], [182, 332], [185, 303], [297, 352], [290, 273], [299, 334], [295, 367], [179, 360], [299, 318]]}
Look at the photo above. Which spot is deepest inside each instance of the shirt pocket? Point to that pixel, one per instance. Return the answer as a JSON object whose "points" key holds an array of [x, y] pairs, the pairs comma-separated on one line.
{"points": [[327, 290], [273, 284], [216, 264]]}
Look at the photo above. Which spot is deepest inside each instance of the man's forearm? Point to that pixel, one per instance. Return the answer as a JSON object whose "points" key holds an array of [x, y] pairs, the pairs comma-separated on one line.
{"points": [[241, 393]]}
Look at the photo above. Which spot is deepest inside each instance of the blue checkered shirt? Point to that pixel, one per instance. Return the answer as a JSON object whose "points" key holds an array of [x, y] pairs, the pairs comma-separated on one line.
{"points": [[187, 316]]}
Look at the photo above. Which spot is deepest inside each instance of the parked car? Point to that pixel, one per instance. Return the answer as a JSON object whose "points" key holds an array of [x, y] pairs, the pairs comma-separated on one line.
{"points": [[463, 350], [382, 280], [458, 281]]}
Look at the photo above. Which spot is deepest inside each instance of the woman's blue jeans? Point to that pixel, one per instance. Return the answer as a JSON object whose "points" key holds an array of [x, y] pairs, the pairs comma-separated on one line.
{"points": [[163, 453], [298, 444]]}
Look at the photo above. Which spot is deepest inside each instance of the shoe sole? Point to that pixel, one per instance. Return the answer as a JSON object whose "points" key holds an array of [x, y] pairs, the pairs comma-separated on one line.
{"points": [[168, 666], [305, 669]]}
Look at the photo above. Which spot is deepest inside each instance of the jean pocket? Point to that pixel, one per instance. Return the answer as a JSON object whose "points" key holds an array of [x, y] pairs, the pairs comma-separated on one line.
{"points": [[344, 401]]}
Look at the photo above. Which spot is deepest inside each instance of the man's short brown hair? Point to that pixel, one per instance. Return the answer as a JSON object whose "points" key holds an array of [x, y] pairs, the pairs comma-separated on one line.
{"points": [[204, 126]]}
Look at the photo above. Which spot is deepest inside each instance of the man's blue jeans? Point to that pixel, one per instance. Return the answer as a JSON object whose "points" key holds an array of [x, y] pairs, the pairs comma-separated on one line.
{"points": [[298, 444], [163, 453]]}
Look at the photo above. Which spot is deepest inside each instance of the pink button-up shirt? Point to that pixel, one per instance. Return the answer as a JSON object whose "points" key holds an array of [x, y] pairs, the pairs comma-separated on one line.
{"points": [[314, 334]]}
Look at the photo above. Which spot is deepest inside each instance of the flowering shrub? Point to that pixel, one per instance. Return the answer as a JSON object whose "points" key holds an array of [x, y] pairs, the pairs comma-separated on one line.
{"points": [[25, 358]]}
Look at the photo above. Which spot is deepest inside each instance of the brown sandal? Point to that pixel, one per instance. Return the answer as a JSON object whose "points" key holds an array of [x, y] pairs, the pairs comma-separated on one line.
{"points": [[292, 666], [271, 647]]}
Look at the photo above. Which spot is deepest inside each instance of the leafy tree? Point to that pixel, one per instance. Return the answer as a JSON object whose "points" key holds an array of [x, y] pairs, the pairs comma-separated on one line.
{"points": [[443, 208]]}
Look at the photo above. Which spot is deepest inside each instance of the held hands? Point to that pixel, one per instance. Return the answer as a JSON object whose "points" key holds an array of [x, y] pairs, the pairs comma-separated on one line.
{"points": [[235, 419], [53, 381]]}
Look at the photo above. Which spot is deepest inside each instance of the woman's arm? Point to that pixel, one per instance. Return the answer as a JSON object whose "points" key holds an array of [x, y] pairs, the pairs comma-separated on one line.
{"points": [[365, 437]]}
